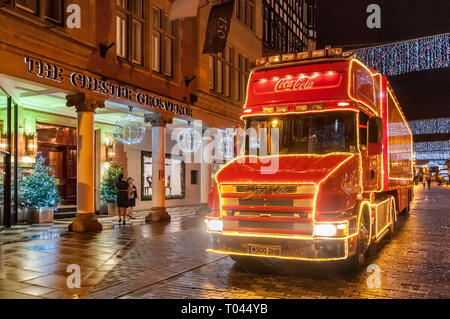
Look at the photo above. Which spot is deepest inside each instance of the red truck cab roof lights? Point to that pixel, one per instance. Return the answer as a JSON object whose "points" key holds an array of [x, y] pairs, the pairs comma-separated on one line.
{"points": [[327, 80], [304, 108], [300, 56]]}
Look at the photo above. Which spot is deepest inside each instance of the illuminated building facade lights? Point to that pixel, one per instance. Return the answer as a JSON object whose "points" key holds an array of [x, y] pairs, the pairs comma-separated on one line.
{"points": [[408, 56], [432, 126]]}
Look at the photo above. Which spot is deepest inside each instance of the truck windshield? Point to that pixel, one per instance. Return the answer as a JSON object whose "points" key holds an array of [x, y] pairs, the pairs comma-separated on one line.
{"points": [[319, 133]]}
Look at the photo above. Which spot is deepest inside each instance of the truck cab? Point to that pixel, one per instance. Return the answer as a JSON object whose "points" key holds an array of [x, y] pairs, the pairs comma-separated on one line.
{"points": [[325, 163]]}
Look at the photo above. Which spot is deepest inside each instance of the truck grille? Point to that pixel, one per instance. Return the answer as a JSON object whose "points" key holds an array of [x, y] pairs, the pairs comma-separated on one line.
{"points": [[288, 189], [245, 203], [284, 202], [266, 225]]}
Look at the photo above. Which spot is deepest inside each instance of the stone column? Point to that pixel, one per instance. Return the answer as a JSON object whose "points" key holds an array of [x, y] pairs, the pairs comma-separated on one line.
{"points": [[205, 170], [158, 121], [85, 220]]}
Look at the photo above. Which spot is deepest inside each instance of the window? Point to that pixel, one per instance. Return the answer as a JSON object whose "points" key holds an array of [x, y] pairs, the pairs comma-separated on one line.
{"points": [[228, 74], [163, 42], [220, 67], [130, 23], [28, 5], [363, 85], [194, 176], [283, 29], [245, 11], [52, 10], [242, 73], [175, 179], [303, 134]]}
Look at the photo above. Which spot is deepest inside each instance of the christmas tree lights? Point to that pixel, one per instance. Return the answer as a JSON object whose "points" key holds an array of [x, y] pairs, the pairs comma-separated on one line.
{"points": [[39, 190], [407, 56], [108, 185]]}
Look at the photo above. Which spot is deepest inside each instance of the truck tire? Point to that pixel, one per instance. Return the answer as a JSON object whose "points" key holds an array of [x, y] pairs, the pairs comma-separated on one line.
{"points": [[239, 259], [408, 210], [250, 263], [357, 262], [394, 219]]}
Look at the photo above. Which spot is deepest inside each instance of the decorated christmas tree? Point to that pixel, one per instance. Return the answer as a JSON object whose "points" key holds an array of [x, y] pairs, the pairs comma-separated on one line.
{"points": [[108, 192], [39, 190]]}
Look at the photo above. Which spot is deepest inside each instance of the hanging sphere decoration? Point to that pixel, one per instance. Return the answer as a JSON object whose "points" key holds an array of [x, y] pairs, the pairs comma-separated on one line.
{"points": [[226, 146], [129, 129], [189, 140]]}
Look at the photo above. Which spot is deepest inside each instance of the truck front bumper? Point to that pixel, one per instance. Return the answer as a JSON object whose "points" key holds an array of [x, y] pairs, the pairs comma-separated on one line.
{"points": [[296, 249]]}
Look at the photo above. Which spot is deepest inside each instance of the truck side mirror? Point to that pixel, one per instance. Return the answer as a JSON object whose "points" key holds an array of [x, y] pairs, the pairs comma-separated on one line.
{"points": [[375, 136]]}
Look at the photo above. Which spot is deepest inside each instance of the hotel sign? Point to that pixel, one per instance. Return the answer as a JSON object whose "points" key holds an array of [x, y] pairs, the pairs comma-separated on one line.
{"points": [[104, 87]]}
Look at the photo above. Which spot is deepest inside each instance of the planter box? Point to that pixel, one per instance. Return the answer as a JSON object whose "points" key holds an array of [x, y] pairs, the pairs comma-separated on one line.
{"points": [[112, 209], [40, 216]]}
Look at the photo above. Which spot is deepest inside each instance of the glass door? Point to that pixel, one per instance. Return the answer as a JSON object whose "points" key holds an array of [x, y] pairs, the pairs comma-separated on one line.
{"points": [[5, 159], [3, 156]]}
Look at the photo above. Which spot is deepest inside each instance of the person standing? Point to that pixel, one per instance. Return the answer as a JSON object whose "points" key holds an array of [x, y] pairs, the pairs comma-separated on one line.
{"points": [[123, 191], [429, 180], [133, 197]]}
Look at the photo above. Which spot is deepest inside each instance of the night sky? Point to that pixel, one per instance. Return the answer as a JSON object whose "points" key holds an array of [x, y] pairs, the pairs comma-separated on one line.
{"points": [[423, 94]]}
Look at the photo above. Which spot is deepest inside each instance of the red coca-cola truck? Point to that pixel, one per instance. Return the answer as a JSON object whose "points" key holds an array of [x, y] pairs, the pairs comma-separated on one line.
{"points": [[342, 168]]}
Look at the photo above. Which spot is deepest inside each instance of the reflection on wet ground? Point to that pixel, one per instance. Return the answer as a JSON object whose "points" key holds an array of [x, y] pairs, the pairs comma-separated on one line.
{"points": [[168, 260], [39, 268], [413, 264]]}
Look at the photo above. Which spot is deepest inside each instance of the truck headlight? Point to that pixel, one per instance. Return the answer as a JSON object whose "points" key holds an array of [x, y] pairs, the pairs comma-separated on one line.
{"points": [[214, 225], [331, 230], [325, 230]]}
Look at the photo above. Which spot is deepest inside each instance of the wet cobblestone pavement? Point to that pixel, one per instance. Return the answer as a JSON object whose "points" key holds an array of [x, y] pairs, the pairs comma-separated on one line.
{"points": [[169, 261]]}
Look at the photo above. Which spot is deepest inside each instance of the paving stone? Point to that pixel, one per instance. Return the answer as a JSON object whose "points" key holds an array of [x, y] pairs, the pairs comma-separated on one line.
{"points": [[168, 260]]}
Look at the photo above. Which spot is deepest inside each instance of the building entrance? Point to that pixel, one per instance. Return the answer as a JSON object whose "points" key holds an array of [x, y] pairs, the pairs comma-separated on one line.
{"points": [[57, 144]]}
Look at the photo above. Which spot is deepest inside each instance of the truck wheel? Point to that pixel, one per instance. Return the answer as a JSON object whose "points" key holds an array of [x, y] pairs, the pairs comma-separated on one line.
{"points": [[394, 216], [239, 259], [356, 263], [407, 210], [249, 263]]}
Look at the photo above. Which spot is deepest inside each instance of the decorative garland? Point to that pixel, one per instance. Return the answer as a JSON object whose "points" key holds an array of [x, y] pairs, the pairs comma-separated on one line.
{"points": [[408, 56]]}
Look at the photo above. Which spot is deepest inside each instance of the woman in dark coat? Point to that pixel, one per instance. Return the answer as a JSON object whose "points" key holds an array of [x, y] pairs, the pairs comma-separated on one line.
{"points": [[133, 197], [123, 193]]}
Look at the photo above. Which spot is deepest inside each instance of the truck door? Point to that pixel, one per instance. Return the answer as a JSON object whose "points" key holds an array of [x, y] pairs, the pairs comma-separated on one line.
{"points": [[371, 147]]}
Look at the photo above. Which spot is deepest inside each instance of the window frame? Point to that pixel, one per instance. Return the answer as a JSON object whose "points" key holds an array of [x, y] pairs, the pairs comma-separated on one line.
{"points": [[165, 34], [130, 18], [41, 10], [225, 60], [283, 27], [26, 9], [242, 10], [243, 66]]}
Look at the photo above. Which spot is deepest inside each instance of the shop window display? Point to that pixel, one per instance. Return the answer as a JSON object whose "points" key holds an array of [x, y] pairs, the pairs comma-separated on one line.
{"points": [[175, 186]]}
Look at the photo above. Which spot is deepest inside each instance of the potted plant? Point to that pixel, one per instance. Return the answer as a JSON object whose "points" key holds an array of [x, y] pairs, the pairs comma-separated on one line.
{"points": [[39, 192], [108, 187]]}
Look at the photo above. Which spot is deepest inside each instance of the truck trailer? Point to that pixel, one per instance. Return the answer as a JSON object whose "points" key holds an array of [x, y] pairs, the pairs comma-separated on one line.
{"points": [[344, 163]]}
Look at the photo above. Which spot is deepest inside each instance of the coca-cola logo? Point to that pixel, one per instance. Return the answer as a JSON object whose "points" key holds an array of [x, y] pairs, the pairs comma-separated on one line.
{"points": [[303, 82], [259, 191]]}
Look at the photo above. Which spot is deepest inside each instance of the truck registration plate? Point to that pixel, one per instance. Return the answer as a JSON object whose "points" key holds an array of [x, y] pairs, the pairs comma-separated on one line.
{"points": [[264, 250]]}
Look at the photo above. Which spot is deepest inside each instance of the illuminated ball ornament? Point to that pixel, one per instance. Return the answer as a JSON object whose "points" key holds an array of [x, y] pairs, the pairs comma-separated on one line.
{"points": [[226, 147], [189, 140], [129, 129]]}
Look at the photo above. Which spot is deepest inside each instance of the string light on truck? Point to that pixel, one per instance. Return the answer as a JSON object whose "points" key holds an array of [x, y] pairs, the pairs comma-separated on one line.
{"points": [[299, 56]]}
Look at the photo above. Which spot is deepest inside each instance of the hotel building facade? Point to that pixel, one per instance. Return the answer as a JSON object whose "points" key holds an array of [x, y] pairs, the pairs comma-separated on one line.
{"points": [[70, 90]]}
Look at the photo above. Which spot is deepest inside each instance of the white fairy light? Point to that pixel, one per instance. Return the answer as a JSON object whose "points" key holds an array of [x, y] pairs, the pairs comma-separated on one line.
{"points": [[408, 56]]}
